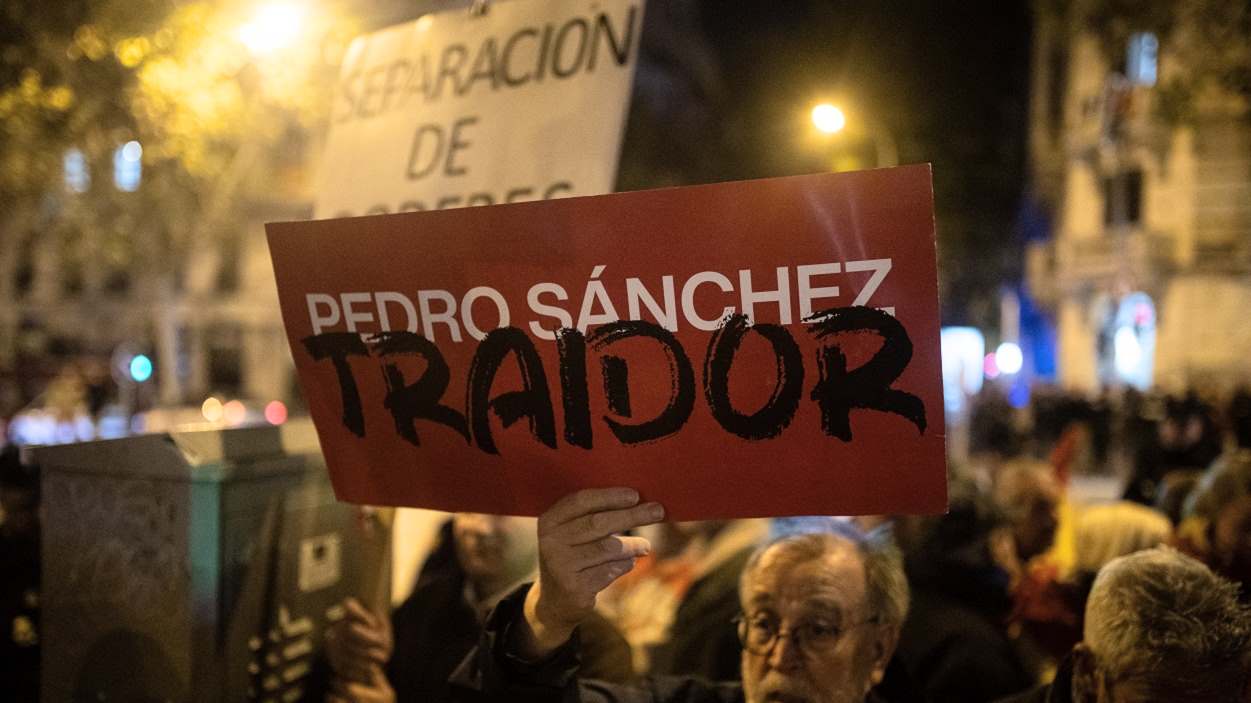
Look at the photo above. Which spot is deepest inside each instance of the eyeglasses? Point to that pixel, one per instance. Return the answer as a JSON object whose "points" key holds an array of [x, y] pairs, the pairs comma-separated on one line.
{"points": [[758, 633]]}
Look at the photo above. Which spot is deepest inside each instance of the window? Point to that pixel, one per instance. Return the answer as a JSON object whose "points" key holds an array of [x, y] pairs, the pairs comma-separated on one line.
{"points": [[1141, 59], [1057, 86], [225, 358], [228, 265], [77, 177], [127, 167], [1122, 199]]}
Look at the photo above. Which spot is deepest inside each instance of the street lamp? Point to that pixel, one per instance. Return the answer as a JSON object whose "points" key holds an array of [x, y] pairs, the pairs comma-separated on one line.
{"points": [[274, 26], [829, 119]]}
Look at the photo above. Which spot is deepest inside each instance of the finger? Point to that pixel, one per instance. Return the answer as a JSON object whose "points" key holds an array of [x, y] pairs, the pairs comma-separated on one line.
{"points": [[363, 657], [359, 692], [359, 634], [354, 610], [364, 694], [590, 500], [611, 548], [597, 578], [595, 526]]}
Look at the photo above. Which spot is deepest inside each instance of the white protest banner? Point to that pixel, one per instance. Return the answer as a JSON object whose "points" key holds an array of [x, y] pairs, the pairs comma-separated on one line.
{"points": [[524, 102]]}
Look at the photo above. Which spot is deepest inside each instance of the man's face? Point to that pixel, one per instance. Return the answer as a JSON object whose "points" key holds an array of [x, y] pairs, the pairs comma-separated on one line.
{"points": [[825, 594], [494, 550]]}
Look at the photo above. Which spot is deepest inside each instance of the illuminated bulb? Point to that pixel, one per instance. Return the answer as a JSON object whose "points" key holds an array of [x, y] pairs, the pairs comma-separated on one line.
{"points": [[276, 412], [235, 412], [990, 367], [1008, 357], [211, 409], [1128, 353], [828, 118], [274, 26], [132, 151]]}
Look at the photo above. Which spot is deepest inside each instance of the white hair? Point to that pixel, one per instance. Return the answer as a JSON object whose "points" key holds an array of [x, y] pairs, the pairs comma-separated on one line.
{"points": [[1104, 532], [886, 585], [1165, 622]]}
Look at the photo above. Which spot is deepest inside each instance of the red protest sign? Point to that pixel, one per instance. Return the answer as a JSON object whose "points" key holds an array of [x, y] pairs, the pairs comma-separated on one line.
{"points": [[744, 349]]}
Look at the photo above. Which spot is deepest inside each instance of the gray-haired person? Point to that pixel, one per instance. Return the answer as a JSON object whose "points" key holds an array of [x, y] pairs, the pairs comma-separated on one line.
{"points": [[1160, 628], [821, 615]]}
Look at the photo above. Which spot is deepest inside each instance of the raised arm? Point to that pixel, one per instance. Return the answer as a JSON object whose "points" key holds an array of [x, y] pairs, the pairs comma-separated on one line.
{"points": [[580, 553]]}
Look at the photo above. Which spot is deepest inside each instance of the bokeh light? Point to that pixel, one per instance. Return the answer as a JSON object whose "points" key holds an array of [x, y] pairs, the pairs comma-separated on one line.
{"points": [[211, 409], [140, 368], [828, 119], [235, 412], [274, 26], [1009, 358], [276, 412]]}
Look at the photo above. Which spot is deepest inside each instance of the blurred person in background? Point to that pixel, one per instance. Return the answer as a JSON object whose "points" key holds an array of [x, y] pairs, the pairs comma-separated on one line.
{"points": [[1239, 414], [19, 578], [702, 639], [1027, 493], [1231, 544], [1185, 439], [1053, 617], [410, 656], [1174, 493], [1216, 522], [955, 645], [1042, 622], [1160, 627]]}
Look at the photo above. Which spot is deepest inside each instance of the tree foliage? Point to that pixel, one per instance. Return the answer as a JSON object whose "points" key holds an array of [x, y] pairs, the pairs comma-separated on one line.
{"points": [[216, 121]]}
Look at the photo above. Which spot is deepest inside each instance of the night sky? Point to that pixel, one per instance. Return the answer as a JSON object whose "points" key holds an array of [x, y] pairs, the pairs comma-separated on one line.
{"points": [[724, 90]]}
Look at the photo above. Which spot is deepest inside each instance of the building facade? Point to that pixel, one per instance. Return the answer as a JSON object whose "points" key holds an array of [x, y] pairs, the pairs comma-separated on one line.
{"points": [[1148, 267]]}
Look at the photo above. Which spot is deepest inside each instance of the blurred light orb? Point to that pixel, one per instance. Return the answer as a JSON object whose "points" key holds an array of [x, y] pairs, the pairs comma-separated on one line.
{"points": [[1009, 358], [828, 119], [1128, 352], [132, 151], [990, 366], [140, 368], [276, 412], [235, 412], [274, 26], [211, 409]]}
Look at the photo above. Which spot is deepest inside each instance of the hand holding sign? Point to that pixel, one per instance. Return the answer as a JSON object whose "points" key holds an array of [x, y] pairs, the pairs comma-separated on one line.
{"points": [[359, 642], [580, 553]]}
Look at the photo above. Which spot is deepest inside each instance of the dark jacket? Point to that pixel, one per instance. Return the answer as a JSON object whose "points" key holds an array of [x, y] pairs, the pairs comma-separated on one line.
{"points": [[19, 619], [496, 673], [436, 627], [704, 640], [1060, 690], [954, 645]]}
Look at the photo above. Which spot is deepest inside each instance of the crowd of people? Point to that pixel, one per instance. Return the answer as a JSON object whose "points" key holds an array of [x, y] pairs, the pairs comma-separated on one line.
{"points": [[601, 600], [1020, 592]]}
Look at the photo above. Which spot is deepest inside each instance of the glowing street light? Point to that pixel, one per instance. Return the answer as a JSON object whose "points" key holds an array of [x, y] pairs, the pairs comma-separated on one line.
{"points": [[1009, 358], [828, 119], [274, 26]]}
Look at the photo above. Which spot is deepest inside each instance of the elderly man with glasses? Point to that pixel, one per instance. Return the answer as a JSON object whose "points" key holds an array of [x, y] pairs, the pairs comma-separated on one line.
{"points": [[821, 614]]}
